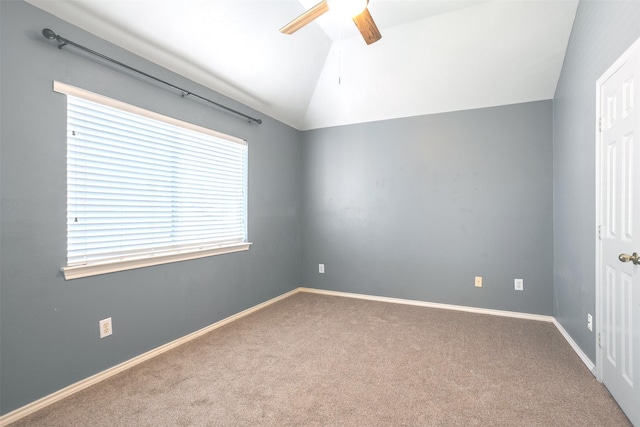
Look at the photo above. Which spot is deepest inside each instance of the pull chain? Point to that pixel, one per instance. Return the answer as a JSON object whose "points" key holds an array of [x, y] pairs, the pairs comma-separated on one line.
{"points": [[340, 66]]}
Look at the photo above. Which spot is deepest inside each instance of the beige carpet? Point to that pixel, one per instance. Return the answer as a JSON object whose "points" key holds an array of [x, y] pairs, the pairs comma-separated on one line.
{"points": [[313, 360]]}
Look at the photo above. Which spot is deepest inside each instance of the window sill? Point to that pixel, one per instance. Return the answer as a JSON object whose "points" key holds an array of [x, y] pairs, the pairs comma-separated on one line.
{"points": [[79, 271]]}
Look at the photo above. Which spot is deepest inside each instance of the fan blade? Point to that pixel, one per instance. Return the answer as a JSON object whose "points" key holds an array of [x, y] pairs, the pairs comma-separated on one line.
{"points": [[367, 27], [305, 18]]}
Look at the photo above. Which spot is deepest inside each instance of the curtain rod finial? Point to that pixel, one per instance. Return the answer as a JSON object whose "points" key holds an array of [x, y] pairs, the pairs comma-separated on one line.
{"points": [[49, 34]]}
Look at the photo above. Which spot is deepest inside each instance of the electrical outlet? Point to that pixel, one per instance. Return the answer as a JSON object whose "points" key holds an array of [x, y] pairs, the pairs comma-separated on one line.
{"points": [[320, 268], [106, 328], [589, 322], [478, 282], [518, 284]]}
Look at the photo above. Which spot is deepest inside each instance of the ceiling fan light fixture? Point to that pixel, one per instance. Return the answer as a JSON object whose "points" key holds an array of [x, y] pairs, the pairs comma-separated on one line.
{"points": [[347, 8], [355, 9]]}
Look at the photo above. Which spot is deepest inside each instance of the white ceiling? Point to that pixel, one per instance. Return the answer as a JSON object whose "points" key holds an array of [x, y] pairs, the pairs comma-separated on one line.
{"points": [[434, 56]]}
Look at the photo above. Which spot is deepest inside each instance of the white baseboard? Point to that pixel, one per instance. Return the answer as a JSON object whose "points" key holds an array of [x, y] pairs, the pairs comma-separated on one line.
{"points": [[515, 314], [101, 376], [581, 354]]}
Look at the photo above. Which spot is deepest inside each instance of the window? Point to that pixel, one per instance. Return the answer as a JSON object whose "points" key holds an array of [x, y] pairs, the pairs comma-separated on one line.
{"points": [[146, 189]]}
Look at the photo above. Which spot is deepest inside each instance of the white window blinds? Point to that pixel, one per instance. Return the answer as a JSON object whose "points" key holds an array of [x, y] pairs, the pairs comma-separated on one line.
{"points": [[145, 187]]}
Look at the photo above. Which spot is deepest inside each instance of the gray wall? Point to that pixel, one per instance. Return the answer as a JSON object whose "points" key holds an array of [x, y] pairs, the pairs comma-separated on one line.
{"points": [[49, 326], [417, 207], [602, 31]]}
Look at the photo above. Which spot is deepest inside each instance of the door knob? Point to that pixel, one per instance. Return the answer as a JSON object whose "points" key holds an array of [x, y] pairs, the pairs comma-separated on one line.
{"points": [[626, 258]]}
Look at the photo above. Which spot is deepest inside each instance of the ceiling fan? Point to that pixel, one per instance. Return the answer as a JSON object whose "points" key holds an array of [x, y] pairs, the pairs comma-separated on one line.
{"points": [[355, 9]]}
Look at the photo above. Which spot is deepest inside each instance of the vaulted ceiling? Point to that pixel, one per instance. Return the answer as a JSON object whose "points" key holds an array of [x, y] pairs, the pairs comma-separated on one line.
{"points": [[434, 56]]}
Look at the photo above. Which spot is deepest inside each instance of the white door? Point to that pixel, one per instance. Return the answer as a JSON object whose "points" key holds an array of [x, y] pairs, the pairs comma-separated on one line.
{"points": [[619, 281]]}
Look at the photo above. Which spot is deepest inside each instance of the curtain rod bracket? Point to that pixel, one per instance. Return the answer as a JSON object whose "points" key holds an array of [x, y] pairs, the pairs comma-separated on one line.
{"points": [[51, 35]]}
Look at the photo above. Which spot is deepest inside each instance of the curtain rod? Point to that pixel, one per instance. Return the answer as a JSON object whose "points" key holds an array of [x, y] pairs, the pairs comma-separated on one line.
{"points": [[49, 34]]}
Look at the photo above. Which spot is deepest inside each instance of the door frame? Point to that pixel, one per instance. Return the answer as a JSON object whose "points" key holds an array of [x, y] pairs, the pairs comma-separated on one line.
{"points": [[635, 46]]}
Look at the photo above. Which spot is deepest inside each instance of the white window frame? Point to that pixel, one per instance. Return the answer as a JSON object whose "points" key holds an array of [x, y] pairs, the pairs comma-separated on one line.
{"points": [[91, 268]]}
